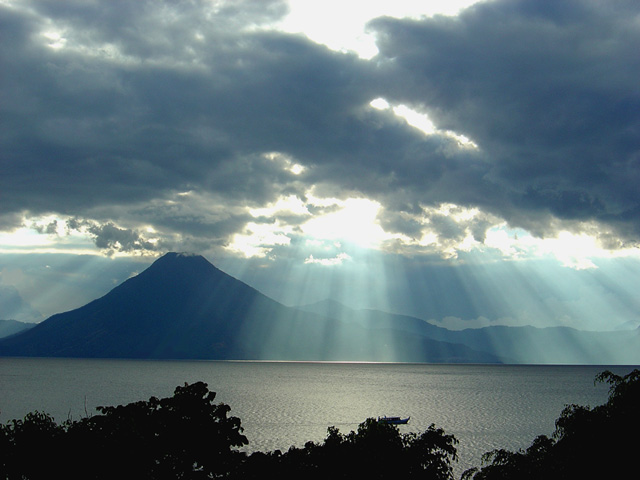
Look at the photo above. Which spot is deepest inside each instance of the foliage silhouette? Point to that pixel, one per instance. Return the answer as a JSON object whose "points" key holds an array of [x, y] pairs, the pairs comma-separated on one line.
{"points": [[187, 436], [375, 451], [28, 447], [184, 436], [587, 443]]}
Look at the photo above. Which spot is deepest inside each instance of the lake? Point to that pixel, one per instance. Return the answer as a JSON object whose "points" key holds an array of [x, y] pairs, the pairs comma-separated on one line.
{"points": [[282, 404]]}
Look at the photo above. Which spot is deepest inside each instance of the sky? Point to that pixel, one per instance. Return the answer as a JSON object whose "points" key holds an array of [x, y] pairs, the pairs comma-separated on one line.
{"points": [[468, 163]]}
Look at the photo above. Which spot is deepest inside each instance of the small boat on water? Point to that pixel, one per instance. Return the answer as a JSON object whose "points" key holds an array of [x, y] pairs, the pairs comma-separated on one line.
{"points": [[393, 420]]}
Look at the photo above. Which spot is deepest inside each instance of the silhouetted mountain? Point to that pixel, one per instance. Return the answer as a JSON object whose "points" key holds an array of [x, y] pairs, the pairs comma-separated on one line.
{"points": [[525, 344], [184, 307]]}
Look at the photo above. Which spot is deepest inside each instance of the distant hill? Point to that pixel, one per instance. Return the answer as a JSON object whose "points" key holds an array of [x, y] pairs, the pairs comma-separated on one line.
{"points": [[11, 327], [513, 344], [183, 307]]}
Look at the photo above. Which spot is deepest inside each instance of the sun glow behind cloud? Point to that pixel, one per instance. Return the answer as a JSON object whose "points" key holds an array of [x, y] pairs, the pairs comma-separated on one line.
{"points": [[573, 250], [352, 221], [329, 230], [346, 30]]}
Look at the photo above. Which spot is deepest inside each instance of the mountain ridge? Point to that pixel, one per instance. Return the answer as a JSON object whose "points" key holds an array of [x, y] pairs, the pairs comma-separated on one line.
{"points": [[514, 344], [182, 306]]}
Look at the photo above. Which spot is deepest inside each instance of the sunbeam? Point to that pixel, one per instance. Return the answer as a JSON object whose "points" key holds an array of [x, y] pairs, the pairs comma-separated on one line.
{"points": [[398, 157]]}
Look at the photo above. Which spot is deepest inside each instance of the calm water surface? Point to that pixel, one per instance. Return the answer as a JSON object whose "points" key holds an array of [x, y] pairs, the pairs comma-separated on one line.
{"points": [[284, 403]]}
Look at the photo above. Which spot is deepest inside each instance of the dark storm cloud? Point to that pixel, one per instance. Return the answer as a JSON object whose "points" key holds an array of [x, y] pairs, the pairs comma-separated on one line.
{"points": [[145, 101], [548, 90], [129, 114], [119, 114], [111, 106]]}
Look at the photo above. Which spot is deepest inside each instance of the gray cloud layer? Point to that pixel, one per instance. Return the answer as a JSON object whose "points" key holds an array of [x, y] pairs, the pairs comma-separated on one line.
{"points": [[547, 89], [129, 114]]}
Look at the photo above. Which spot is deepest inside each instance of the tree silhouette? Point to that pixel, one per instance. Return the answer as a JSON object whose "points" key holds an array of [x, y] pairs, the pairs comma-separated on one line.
{"points": [[587, 443], [188, 436], [184, 436], [375, 451], [29, 448]]}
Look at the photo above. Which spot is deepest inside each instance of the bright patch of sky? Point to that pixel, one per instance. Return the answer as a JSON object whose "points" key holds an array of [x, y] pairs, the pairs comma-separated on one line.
{"points": [[421, 121], [341, 25], [45, 235], [354, 222], [573, 250]]}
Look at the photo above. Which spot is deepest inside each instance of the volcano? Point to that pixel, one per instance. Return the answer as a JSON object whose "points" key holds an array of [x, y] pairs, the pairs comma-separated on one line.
{"points": [[183, 307]]}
